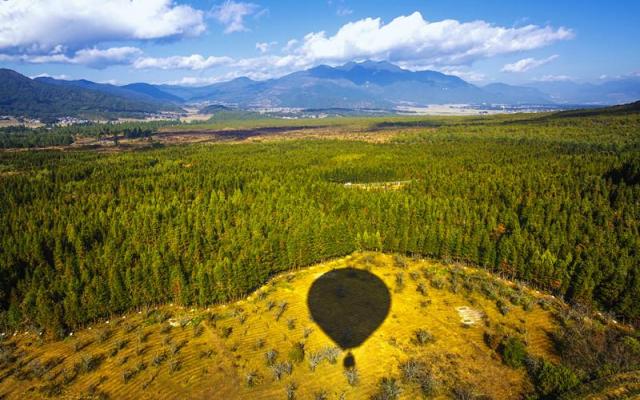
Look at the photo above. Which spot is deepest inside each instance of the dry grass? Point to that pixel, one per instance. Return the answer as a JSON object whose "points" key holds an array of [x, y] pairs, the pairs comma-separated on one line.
{"points": [[195, 360]]}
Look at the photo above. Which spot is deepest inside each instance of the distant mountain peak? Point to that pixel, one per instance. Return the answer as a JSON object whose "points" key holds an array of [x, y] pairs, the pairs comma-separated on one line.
{"points": [[368, 65]]}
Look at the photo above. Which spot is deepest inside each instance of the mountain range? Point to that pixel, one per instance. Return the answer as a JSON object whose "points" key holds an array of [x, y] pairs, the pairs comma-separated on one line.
{"points": [[368, 84]]}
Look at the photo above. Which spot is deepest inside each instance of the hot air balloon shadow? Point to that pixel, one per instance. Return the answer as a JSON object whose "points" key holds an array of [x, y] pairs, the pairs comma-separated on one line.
{"points": [[349, 305]]}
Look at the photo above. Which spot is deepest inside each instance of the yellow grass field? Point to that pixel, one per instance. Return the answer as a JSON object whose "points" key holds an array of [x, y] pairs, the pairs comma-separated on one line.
{"points": [[219, 353]]}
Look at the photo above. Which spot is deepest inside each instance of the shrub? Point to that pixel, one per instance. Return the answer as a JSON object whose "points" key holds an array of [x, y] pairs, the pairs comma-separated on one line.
{"points": [[271, 356], [417, 372], [388, 389], [251, 379], [198, 330], [159, 359], [550, 379], [399, 282], [296, 354], [291, 324], [399, 261], [422, 288], [307, 331], [104, 335], [513, 352], [281, 368], [502, 307], [331, 354], [463, 391], [314, 360], [88, 363], [321, 395], [174, 365], [291, 390], [352, 375], [226, 332], [282, 306], [437, 282], [423, 337]]}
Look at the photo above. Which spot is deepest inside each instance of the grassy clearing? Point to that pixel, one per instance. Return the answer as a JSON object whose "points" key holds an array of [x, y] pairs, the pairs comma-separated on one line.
{"points": [[267, 346]]}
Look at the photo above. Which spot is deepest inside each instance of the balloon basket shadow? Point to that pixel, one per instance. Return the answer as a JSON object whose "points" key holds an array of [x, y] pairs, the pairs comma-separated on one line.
{"points": [[349, 361]]}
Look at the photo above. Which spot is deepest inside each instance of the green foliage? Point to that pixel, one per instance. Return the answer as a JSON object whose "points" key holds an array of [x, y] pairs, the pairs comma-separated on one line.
{"points": [[296, 354], [552, 379], [85, 235], [513, 352]]}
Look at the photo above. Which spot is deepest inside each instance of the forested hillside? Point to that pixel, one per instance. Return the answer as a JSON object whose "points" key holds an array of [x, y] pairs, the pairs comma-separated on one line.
{"points": [[552, 202]]}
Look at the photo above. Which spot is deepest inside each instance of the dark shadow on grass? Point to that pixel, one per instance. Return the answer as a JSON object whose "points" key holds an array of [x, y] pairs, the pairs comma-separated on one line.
{"points": [[349, 305]]}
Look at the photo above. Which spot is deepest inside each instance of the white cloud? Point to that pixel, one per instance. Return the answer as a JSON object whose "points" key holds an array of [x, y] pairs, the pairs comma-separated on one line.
{"points": [[343, 11], [265, 46], [527, 64], [554, 78], [193, 62], [411, 38], [231, 14], [45, 75], [408, 41], [93, 57], [466, 74], [42, 26]]}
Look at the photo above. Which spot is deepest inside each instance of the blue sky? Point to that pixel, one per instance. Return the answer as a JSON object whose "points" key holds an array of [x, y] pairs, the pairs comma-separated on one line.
{"points": [[202, 41]]}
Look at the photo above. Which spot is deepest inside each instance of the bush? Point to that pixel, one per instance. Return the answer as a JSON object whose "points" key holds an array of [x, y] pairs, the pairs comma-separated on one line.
{"points": [[437, 282], [321, 395], [270, 356], [296, 354], [314, 360], [502, 307], [291, 390], [399, 261], [423, 337], [417, 372], [88, 363], [399, 282], [198, 330], [280, 369], [331, 354], [513, 352], [352, 375], [388, 389], [462, 391], [550, 379], [251, 379], [422, 288]]}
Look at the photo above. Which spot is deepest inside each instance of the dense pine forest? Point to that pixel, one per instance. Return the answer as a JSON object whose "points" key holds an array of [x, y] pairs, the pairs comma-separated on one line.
{"points": [[550, 201]]}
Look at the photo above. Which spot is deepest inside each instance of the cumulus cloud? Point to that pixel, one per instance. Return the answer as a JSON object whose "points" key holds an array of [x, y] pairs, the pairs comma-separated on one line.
{"points": [[412, 38], [41, 26], [410, 41], [527, 64], [192, 62], [231, 14]]}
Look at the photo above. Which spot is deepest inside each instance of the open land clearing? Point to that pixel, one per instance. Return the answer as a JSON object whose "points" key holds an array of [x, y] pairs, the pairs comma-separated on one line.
{"points": [[179, 352]]}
